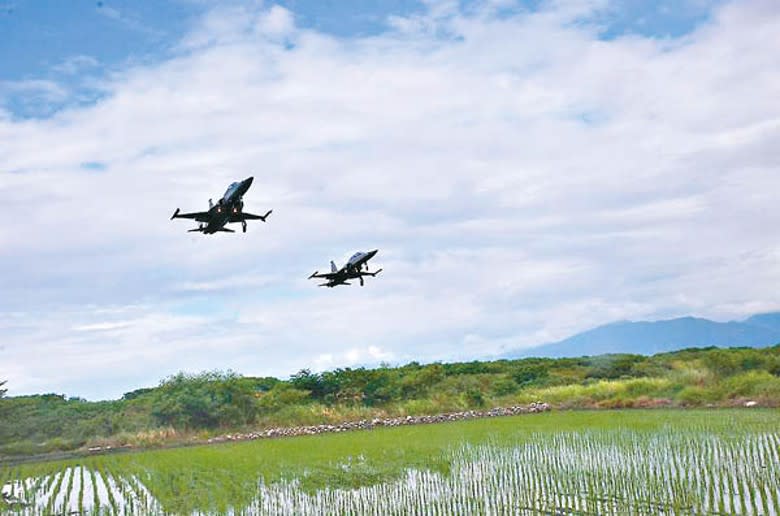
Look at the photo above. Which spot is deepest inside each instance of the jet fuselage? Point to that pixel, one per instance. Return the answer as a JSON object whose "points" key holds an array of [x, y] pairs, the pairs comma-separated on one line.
{"points": [[353, 269], [230, 204], [358, 260], [228, 209]]}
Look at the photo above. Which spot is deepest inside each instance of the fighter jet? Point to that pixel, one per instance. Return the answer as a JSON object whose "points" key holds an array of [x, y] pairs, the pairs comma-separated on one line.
{"points": [[351, 270], [228, 209]]}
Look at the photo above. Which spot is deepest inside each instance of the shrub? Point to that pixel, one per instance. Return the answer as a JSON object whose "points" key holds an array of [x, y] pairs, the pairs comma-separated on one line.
{"points": [[60, 444], [503, 386], [531, 374], [759, 384], [722, 363], [474, 398], [613, 366], [281, 395], [695, 396], [25, 447]]}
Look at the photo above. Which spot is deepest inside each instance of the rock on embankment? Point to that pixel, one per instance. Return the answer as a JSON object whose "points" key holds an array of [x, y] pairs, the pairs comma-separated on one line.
{"points": [[368, 424]]}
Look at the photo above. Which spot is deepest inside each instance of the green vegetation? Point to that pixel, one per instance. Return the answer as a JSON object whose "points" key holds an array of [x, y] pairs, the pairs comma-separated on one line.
{"points": [[185, 407], [616, 462]]}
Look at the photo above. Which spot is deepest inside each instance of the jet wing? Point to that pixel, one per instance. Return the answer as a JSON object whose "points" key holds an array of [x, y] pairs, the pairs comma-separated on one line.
{"points": [[200, 216], [242, 216], [327, 275]]}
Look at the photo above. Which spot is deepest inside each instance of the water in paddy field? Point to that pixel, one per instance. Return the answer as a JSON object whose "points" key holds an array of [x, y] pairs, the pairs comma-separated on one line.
{"points": [[607, 472]]}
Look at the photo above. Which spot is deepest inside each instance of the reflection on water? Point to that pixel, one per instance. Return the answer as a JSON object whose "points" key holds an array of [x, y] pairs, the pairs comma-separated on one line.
{"points": [[614, 472], [78, 490]]}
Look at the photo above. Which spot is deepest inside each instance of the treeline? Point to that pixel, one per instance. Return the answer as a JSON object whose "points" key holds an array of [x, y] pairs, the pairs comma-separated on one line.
{"points": [[186, 405]]}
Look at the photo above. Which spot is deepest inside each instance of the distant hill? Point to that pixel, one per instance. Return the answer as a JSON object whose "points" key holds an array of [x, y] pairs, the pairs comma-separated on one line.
{"points": [[647, 338]]}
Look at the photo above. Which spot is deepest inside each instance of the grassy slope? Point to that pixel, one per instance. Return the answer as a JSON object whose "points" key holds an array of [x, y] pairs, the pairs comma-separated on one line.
{"points": [[186, 408], [212, 476]]}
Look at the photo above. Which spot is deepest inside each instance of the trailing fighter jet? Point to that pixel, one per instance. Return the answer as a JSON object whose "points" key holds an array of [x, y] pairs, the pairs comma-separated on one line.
{"points": [[228, 209], [351, 270]]}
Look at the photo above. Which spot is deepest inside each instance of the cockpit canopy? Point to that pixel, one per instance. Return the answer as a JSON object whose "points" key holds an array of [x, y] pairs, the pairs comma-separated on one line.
{"points": [[232, 188], [355, 257]]}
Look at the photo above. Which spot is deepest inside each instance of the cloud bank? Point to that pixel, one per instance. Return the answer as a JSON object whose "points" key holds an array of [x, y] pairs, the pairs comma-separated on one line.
{"points": [[524, 177]]}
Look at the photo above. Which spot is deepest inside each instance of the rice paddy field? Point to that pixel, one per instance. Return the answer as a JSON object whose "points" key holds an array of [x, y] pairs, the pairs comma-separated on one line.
{"points": [[600, 462]]}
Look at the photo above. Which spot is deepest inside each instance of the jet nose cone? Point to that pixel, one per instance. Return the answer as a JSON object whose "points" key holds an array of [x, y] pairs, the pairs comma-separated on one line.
{"points": [[248, 181], [372, 253]]}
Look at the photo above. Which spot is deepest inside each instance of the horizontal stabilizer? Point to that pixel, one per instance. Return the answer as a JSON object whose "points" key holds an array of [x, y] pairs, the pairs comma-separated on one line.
{"points": [[226, 230], [241, 216], [200, 216]]}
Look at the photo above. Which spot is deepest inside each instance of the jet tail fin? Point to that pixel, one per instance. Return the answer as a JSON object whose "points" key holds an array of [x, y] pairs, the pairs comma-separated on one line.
{"points": [[333, 267]]}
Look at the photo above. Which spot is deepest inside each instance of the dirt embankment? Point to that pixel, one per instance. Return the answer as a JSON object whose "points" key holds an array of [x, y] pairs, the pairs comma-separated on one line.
{"points": [[294, 431], [369, 424]]}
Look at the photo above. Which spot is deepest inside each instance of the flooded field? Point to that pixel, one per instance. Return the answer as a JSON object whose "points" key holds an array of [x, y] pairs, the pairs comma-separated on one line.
{"points": [[685, 463]]}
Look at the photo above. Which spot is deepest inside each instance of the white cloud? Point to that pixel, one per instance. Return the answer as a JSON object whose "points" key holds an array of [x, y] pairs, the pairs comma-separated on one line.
{"points": [[109, 12], [38, 89], [230, 283], [103, 326], [522, 178], [75, 64], [276, 22], [365, 356]]}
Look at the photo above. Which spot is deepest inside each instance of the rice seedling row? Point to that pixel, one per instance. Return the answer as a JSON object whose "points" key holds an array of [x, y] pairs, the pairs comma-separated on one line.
{"points": [[682, 467]]}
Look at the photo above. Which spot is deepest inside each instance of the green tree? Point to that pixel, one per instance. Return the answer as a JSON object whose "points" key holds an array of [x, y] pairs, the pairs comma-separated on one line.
{"points": [[305, 380], [723, 362], [530, 374], [281, 395], [418, 383], [613, 366], [2, 393], [474, 397], [205, 400]]}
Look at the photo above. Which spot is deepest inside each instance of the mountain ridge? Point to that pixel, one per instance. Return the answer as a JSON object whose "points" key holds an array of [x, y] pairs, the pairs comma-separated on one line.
{"points": [[650, 337]]}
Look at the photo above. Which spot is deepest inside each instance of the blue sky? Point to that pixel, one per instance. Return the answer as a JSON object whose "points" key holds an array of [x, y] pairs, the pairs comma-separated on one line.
{"points": [[44, 40], [528, 170], [69, 48]]}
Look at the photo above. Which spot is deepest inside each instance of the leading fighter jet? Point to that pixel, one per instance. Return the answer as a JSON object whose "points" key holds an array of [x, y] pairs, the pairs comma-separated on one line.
{"points": [[227, 210], [351, 270]]}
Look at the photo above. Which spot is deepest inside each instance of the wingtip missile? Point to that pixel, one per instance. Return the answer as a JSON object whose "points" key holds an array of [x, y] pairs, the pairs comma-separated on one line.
{"points": [[313, 274], [266, 215], [175, 213]]}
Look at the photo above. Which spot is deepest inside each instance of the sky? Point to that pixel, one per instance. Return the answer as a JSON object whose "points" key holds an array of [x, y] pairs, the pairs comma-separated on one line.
{"points": [[528, 170]]}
